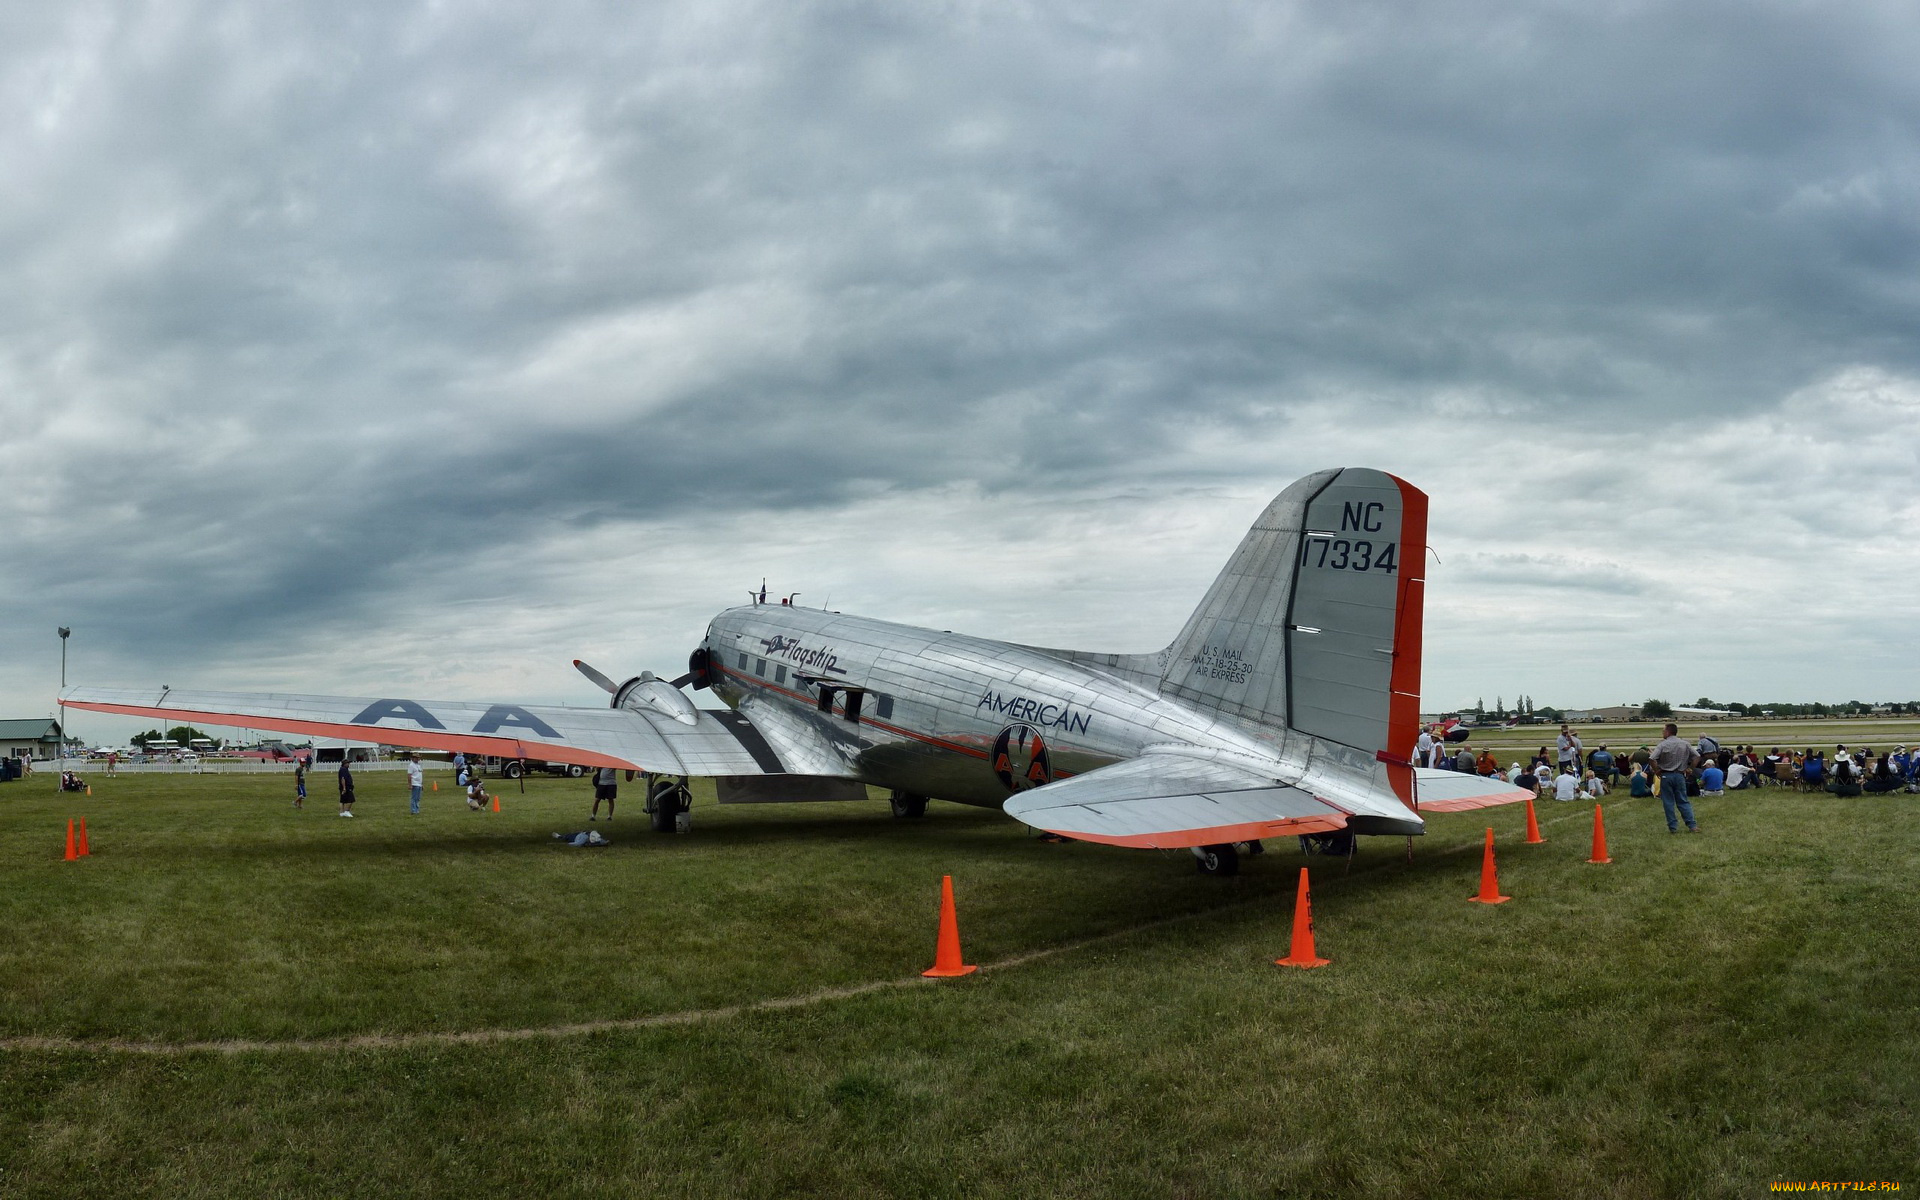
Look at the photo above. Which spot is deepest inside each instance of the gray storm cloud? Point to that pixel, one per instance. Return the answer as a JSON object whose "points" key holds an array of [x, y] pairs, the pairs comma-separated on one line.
{"points": [[437, 342]]}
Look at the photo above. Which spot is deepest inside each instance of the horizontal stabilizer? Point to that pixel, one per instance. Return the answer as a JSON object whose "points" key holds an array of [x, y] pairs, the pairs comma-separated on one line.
{"points": [[1456, 791], [1170, 800], [591, 737]]}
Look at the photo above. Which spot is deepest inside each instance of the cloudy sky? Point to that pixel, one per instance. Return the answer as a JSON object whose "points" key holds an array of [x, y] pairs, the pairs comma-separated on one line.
{"points": [[419, 348]]}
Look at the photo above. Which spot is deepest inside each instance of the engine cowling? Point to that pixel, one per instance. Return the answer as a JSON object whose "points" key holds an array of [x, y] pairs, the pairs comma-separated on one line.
{"points": [[647, 692]]}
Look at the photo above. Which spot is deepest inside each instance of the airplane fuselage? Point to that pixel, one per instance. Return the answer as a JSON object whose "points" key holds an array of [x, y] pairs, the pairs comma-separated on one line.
{"points": [[937, 714]]}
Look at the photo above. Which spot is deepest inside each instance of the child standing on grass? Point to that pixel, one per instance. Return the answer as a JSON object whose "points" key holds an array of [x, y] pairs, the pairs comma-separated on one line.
{"points": [[299, 784], [346, 788]]}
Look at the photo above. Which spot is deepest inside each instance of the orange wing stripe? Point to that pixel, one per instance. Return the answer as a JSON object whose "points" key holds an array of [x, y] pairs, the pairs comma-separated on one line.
{"points": [[426, 739]]}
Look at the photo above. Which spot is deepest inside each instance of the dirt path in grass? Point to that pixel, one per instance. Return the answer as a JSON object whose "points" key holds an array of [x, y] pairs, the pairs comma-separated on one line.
{"points": [[403, 1041]]}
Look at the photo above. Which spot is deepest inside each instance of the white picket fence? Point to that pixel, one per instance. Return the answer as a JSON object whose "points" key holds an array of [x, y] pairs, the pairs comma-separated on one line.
{"points": [[250, 766]]}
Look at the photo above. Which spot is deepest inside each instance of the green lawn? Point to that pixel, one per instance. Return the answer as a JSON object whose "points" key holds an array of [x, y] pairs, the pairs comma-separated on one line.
{"points": [[1706, 1015]]}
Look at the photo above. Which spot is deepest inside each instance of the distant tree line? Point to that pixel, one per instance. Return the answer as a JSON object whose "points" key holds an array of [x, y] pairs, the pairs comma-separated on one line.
{"points": [[179, 735], [1662, 709]]}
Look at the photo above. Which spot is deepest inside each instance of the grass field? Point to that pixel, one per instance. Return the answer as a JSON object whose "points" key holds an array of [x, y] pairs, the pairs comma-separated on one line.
{"points": [[234, 998]]}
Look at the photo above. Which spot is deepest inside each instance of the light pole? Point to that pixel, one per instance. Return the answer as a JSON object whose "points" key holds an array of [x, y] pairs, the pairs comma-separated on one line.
{"points": [[60, 759]]}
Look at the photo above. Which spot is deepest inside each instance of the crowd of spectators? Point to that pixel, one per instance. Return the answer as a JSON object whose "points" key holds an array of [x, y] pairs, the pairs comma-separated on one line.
{"points": [[1567, 771]]}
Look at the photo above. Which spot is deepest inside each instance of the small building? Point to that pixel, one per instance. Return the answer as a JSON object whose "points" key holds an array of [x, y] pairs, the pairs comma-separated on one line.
{"points": [[30, 737], [1613, 712]]}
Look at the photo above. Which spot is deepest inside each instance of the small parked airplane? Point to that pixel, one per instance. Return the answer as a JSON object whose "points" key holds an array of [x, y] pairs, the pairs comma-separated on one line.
{"points": [[1287, 705]]}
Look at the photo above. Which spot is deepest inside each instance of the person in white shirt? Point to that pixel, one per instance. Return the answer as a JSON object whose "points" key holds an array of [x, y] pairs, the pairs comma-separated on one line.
{"points": [[416, 779], [1423, 750], [1565, 786], [1737, 776], [1593, 785]]}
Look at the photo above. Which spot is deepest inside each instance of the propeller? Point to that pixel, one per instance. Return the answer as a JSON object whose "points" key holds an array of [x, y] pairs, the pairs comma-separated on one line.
{"points": [[646, 688], [613, 689], [605, 684]]}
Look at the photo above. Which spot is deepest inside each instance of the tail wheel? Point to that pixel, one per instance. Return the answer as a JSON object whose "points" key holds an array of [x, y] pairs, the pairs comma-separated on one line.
{"points": [[1217, 860], [906, 805]]}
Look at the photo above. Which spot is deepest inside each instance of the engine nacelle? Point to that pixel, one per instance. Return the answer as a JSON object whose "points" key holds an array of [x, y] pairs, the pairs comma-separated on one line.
{"points": [[647, 692]]}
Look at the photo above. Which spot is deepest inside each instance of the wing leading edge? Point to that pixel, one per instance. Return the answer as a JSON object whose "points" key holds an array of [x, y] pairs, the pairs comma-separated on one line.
{"points": [[1165, 801], [592, 737]]}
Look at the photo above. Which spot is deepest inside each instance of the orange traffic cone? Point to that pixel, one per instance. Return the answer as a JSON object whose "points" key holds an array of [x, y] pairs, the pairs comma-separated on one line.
{"points": [[1302, 954], [496, 802], [1599, 838], [1533, 826], [436, 785], [70, 854], [89, 789], [84, 852], [1489, 881], [946, 952]]}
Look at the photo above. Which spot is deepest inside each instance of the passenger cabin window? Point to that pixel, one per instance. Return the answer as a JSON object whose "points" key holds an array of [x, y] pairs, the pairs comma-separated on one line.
{"points": [[743, 660], [779, 673], [853, 706], [883, 707], [760, 667]]}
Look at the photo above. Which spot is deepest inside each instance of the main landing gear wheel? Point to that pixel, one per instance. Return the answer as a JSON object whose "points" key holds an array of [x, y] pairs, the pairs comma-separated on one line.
{"points": [[907, 805], [1217, 860], [667, 801]]}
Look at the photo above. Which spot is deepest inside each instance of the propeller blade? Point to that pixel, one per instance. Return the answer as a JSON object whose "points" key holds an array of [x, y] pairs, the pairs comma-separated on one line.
{"points": [[606, 684]]}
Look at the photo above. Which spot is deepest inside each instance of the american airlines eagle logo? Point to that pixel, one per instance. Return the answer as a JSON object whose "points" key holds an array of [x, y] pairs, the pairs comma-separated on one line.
{"points": [[1020, 758]]}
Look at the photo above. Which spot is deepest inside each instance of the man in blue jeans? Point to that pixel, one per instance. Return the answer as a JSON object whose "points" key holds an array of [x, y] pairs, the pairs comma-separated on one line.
{"points": [[1671, 758]]}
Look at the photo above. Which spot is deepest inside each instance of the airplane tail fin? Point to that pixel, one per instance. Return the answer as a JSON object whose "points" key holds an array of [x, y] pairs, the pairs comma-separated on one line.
{"points": [[1315, 623]]}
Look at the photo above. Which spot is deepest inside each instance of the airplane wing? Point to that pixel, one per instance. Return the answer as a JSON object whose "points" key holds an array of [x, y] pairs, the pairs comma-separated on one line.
{"points": [[717, 743], [1456, 791], [1163, 801]]}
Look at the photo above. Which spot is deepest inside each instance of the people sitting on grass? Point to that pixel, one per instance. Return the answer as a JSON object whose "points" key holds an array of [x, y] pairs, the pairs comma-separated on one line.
{"points": [[476, 792], [1772, 767], [1882, 780], [1713, 781], [1523, 777], [1593, 786], [1813, 770], [70, 782], [1640, 783], [1741, 776], [1565, 785], [1486, 764], [1846, 778], [1602, 762]]}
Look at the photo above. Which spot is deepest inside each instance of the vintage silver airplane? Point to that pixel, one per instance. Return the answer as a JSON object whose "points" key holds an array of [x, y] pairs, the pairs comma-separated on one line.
{"points": [[1287, 705]]}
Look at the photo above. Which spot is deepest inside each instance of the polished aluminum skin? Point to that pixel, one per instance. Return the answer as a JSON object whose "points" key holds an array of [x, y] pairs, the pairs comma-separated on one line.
{"points": [[1287, 704]]}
